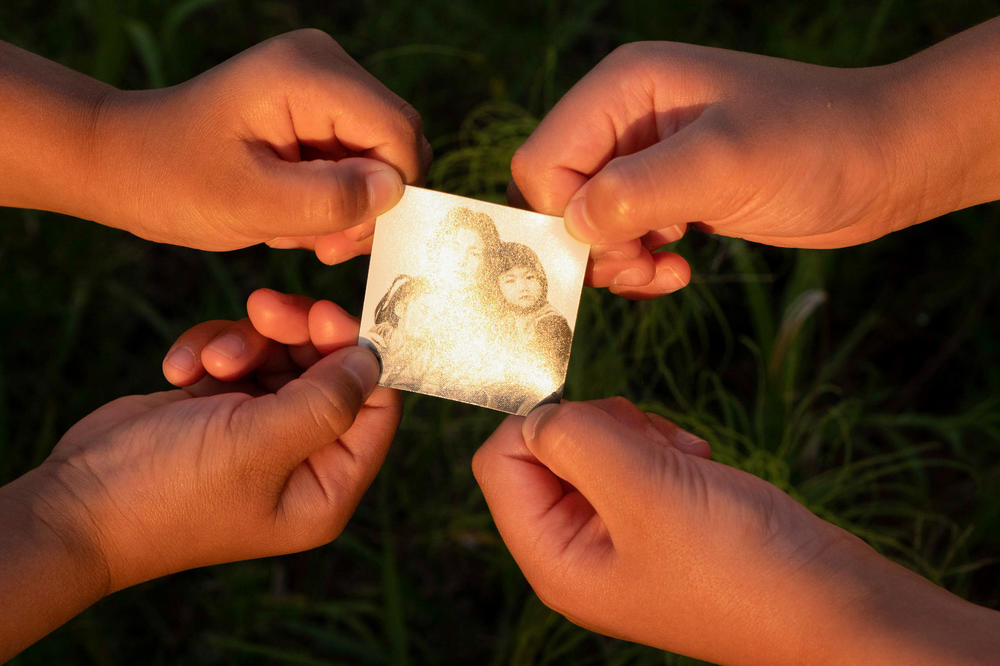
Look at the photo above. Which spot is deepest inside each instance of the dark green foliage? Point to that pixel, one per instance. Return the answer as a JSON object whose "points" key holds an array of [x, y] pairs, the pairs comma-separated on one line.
{"points": [[865, 382]]}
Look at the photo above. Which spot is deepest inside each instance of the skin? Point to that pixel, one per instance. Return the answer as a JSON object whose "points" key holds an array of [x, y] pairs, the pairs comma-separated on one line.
{"points": [[464, 251], [266, 450], [660, 135], [290, 143], [620, 522], [617, 518], [520, 286]]}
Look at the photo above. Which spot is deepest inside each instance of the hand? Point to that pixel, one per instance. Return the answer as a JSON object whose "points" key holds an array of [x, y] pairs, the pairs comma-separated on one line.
{"points": [[290, 142], [621, 523], [187, 478], [773, 151]]}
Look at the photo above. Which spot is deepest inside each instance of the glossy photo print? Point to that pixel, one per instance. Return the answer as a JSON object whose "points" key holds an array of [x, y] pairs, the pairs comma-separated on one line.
{"points": [[472, 301]]}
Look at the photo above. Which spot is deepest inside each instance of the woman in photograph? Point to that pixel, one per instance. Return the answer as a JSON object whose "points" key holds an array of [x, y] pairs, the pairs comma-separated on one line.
{"points": [[434, 332]]}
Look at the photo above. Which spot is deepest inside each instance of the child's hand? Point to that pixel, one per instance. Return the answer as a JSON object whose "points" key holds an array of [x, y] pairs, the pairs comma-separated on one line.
{"points": [[774, 151], [284, 334], [290, 142], [169, 481], [621, 523]]}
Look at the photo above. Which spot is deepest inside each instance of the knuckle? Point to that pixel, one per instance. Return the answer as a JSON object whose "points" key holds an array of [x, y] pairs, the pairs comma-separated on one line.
{"points": [[557, 432], [622, 403], [306, 36], [413, 122], [521, 164], [630, 55], [554, 590], [333, 407], [339, 206], [298, 50], [479, 464], [611, 197]]}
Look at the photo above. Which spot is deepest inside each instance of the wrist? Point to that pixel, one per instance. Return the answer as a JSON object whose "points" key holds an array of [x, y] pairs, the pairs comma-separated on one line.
{"points": [[48, 510], [47, 118], [51, 566], [945, 134], [879, 612]]}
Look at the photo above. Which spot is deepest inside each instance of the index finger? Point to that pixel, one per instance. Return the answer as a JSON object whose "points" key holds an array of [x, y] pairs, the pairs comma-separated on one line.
{"points": [[635, 97]]}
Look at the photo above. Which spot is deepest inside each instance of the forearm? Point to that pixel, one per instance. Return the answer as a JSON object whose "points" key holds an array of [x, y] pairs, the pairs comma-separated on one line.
{"points": [[48, 114], [866, 609], [944, 103], [49, 571]]}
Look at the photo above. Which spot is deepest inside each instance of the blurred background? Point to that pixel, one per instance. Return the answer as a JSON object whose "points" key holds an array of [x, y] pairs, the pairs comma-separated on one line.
{"points": [[865, 381]]}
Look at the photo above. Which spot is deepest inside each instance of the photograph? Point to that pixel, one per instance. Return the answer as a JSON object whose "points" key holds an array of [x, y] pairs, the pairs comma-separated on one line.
{"points": [[472, 301]]}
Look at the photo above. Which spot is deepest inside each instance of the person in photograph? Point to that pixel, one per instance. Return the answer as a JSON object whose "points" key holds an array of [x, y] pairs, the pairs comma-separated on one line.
{"points": [[524, 289], [402, 335], [463, 257], [536, 336], [449, 350]]}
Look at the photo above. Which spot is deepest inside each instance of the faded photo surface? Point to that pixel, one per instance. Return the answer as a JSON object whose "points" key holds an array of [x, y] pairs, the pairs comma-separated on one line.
{"points": [[472, 301]]}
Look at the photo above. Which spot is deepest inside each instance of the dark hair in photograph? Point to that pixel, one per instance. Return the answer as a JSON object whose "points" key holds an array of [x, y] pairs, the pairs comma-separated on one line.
{"points": [[481, 223], [512, 255], [400, 291]]}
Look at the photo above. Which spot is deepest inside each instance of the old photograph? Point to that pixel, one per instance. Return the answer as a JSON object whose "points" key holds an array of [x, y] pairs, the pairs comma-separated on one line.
{"points": [[472, 301]]}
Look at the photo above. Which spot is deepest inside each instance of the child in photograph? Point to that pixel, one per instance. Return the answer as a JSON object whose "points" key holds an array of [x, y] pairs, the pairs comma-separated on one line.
{"points": [[402, 334], [537, 336], [524, 290]]}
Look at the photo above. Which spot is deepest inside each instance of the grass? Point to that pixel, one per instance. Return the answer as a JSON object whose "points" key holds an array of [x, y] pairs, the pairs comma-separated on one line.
{"points": [[865, 382]]}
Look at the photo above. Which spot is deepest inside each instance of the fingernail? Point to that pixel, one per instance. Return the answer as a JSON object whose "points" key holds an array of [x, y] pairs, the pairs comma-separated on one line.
{"points": [[578, 222], [229, 345], [362, 364], [631, 277], [618, 251], [283, 243], [686, 441], [384, 189], [612, 255], [182, 358], [668, 280], [360, 232], [536, 419], [672, 233]]}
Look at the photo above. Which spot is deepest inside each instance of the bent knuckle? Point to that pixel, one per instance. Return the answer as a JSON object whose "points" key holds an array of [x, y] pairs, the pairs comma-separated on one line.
{"points": [[629, 56], [414, 124], [557, 434], [621, 403], [307, 36], [612, 197], [334, 407], [522, 164], [480, 464], [340, 206]]}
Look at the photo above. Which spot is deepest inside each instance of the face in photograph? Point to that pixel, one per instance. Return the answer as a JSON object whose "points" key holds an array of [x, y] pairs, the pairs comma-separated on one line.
{"points": [[521, 287]]}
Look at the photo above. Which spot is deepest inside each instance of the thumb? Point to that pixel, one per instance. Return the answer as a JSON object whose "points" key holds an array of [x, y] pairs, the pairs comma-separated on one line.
{"points": [[308, 412], [589, 448], [689, 176], [318, 197]]}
